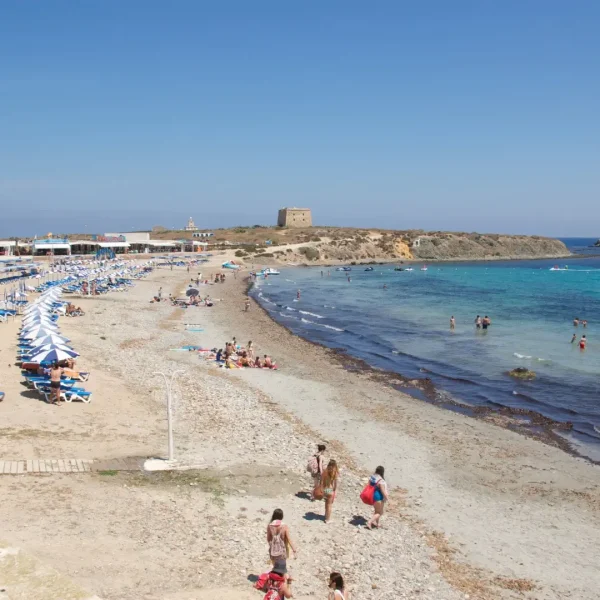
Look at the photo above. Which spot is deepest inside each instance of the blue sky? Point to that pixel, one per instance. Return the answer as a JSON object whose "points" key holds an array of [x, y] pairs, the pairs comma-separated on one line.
{"points": [[118, 115]]}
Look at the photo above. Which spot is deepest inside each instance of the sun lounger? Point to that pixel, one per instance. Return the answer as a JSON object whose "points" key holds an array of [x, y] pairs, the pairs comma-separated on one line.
{"points": [[77, 375], [68, 395], [1, 396]]}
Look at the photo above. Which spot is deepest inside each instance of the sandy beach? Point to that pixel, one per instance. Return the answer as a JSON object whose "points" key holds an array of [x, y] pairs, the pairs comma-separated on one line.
{"points": [[476, 510]]}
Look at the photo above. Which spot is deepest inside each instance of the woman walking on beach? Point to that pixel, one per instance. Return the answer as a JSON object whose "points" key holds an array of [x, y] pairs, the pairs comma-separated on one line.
{"points": [[316, 466], [329, 483], [337, 590], [380, 496], [279, 538]]}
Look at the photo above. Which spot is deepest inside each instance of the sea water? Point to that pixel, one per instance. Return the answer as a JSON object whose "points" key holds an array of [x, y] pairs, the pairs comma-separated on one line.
{"points": [[406, 329]]}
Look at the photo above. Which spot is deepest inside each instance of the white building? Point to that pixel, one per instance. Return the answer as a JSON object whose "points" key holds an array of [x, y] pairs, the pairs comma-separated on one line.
{"points": [[191, 226]]}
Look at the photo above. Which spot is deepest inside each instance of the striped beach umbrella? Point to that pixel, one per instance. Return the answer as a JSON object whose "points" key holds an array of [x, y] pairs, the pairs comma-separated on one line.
{"points": [[47, 347], [52, 338], [36, 332], [54, 355]]}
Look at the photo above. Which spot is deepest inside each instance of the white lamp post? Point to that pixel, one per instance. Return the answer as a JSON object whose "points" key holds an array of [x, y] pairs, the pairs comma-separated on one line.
{"points": [[169, 386]]}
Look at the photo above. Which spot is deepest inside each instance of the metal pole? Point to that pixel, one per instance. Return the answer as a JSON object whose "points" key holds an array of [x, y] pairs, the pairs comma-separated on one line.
{"points": [[169, 387]]}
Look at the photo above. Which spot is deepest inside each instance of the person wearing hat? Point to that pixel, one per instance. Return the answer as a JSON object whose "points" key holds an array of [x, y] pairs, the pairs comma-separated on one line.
{"points": [[278, 584]]}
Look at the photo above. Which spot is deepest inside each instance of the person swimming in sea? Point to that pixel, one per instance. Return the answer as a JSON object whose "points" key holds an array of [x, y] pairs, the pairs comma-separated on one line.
{"points": [[582, 342], [486, 322], [385, 286], [576, 322], [452, 323], [478, 322], [584, 323], [573, 338], [298, 294]]}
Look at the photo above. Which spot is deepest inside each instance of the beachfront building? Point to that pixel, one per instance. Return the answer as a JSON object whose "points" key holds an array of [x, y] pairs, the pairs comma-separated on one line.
{"points": [[51, 247], [294, 217], [191, 226], [7, 247], [203, 234]]}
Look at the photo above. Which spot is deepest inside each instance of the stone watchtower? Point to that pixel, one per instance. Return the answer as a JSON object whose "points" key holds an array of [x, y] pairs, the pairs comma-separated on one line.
{"points": [[294, 217]]}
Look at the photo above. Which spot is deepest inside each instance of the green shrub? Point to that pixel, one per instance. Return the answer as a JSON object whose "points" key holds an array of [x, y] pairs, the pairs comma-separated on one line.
{"points": [[240, 253], [310, 252]]}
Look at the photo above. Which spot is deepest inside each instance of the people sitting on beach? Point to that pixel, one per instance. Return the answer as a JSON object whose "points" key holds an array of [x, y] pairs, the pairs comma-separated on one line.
{"points": [[230, 364], [245, 360], [268, 363], [258, 363], [219, 356]]}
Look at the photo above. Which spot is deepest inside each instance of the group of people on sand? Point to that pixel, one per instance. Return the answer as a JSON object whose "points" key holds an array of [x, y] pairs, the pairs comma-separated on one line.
{"points": [[219, 277], [236, 356], [325, 480]]}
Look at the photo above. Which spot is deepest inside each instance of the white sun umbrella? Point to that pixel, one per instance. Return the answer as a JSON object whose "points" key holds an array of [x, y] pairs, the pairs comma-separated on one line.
{"points": [[37, 307], [54, 355], [36, 316], [32, 334], [52, 338], [39, 323], [48, 347], [39, 320]]}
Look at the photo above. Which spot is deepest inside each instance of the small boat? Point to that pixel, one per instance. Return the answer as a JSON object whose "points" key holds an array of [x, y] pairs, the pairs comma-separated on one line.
{"points": [[424, 268], [344, 269], [399, 269], [270, 271], [369, 269], [557, 268], [408, 269]]}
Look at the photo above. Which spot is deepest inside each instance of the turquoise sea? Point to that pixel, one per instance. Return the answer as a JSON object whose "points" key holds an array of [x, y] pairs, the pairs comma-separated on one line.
{"points": [[405, 329]]}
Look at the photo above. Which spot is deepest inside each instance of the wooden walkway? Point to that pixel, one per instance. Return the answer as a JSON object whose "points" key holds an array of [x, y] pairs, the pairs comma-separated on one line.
{"points": [[69, 465]]}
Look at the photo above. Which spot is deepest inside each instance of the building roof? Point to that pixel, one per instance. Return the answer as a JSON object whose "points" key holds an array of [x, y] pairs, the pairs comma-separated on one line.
{"points": [[294, 208]]}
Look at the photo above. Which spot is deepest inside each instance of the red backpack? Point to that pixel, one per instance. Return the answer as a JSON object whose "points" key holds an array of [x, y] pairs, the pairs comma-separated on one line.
{"points": [[368, 494], [270, 583]]}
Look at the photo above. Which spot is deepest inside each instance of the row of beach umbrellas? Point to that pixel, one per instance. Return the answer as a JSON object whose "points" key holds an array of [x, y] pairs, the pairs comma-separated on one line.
{"points": [[41, 334]]}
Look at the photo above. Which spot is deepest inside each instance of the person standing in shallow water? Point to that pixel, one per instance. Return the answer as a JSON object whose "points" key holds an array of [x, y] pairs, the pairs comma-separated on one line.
{"points": [[573, 338], [478, 322], [452, 323], [582, 342], [380, 497]]}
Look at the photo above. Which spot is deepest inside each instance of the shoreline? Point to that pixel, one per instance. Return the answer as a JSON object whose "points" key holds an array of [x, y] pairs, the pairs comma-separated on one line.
{"points": [[527, 422], [456, 469]]}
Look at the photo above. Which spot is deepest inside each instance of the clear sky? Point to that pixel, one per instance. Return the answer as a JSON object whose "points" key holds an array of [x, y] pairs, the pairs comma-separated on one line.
{"points": [[476, 116]]}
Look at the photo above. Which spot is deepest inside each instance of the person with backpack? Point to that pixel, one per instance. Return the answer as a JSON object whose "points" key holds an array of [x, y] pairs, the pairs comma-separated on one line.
{"points": [[316, 466], [380, 496], [275, 583], [329, 483], [279, 538], [337, 590]]}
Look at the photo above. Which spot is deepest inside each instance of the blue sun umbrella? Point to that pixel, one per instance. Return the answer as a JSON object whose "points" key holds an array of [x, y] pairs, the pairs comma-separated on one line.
{"points": [[54, 355], [32, 334], [52, 338]]}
